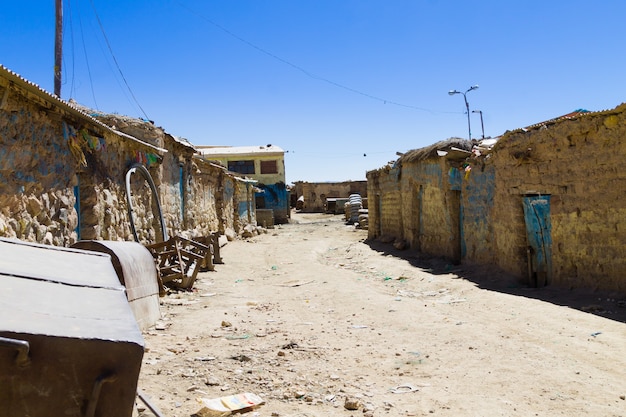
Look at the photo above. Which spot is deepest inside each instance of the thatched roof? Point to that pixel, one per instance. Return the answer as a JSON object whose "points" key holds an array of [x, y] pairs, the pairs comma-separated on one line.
{"points": [[431, 151]]}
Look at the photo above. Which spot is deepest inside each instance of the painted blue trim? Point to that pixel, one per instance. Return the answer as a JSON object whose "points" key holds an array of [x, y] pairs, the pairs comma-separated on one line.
{"points": [[77, 207], [182, 196]]}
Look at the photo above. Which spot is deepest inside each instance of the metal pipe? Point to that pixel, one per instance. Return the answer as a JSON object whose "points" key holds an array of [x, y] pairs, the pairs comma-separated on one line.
{"points": [[148, 404], [482, 126], [453, 92]]}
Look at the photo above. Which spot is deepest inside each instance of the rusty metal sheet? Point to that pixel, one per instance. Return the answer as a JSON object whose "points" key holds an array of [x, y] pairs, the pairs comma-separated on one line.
{"points": [[136, 270]]}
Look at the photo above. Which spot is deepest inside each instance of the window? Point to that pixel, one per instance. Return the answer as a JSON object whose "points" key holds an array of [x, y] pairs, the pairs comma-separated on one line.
{"points": [[269, 167], [242, 167]]}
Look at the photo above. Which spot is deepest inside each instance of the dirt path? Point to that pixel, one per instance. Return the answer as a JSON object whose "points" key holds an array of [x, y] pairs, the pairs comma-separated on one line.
{"points": [[313, 319]]}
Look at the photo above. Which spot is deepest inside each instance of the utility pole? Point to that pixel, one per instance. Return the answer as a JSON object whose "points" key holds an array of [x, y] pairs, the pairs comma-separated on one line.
{"points": [[482, 125], [58, 48]]}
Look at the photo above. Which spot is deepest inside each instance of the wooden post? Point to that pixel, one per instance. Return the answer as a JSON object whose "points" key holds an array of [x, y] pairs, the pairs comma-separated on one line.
{"points": [[58, 48]]}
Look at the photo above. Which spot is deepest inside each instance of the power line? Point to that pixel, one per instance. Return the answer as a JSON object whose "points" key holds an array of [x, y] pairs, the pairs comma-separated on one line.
{"points": [[82, 34], [303, 70], [106, 39]]}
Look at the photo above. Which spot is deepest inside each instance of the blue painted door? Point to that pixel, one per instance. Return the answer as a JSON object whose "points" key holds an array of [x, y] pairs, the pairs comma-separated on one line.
{"points": [[538, 232]]}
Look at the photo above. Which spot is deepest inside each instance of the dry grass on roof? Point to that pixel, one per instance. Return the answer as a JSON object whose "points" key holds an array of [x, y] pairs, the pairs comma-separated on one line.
{"points": [[431, 151]]}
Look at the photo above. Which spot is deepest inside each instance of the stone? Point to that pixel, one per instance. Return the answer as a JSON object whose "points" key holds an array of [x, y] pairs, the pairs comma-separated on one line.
{"points": [[230, 234], [352, 404], [48, 239], [34, 206], [63, 216]]}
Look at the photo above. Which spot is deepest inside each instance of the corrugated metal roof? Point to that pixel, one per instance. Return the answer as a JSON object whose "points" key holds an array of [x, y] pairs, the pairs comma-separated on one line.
{"points": [[182, 141], [576, 114], [18, 80], [572, 115], [216, 151]]}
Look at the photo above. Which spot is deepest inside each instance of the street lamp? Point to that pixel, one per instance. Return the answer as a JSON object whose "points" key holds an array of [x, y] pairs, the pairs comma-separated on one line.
{"points": [[453, 92], [481, 120]]}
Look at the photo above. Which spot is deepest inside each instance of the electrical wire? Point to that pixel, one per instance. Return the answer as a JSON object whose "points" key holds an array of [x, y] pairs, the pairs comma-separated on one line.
{"points": [[72, 49], [115, 60], [82, 34], [303, 70]]}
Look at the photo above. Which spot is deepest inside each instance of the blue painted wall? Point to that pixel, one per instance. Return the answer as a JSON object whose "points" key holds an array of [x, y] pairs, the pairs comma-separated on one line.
{"points": [[20, 167], [276, 197], [477, 204]]}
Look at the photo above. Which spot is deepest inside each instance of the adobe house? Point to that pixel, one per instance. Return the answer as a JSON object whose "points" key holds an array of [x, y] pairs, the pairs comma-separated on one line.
{"points": [[198, 197], [64, 175], [559, 211], [416, 200], [61, 170], [265, 164], [315, 194], [544, 203]]}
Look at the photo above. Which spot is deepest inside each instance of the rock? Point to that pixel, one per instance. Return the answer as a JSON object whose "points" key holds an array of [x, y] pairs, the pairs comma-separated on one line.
{"points": [[230, 234], [63, 216], [34, 206], [48, 239], [352, 404], [212, 381], [41, 232], [249, 231]]}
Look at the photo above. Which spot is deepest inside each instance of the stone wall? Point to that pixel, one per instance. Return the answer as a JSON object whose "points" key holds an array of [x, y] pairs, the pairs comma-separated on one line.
{"points": [[229, 225], [203, 198], [37, 173], [197, 197], [245, 203], [63, 175], [104, 209]]}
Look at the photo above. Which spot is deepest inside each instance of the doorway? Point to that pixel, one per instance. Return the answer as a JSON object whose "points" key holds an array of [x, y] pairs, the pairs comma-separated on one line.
{"points": [[539, 237]]}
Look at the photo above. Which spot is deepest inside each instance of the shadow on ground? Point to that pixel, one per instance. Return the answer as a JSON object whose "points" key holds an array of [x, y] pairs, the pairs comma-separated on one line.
{"points": [[605, 304]]}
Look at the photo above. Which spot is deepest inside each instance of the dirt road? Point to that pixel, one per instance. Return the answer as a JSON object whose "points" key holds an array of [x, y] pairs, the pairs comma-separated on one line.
{"points": [[318, 322]]}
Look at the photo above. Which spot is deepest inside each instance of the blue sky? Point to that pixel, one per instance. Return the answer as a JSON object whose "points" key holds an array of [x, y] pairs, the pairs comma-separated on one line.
{"points": [[341, 85]]}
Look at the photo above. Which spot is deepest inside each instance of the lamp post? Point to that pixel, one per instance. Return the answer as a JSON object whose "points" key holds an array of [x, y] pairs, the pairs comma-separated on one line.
{"points": [[453, 92], [482, 126]]}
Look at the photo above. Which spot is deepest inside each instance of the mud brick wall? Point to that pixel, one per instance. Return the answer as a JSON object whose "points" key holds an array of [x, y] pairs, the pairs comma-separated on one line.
{"points": [[430, 207], [479, 240], [385, 206], [579, 163], [315, 194]]}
